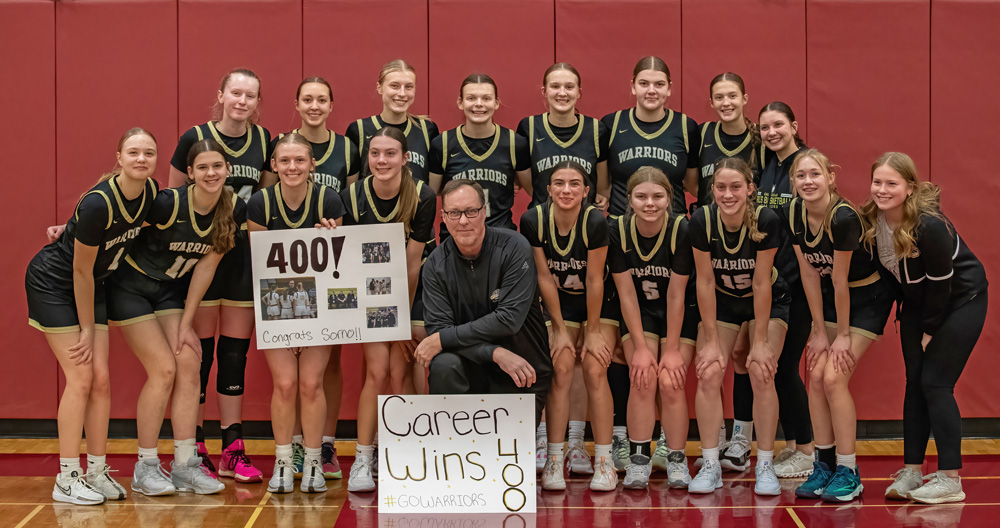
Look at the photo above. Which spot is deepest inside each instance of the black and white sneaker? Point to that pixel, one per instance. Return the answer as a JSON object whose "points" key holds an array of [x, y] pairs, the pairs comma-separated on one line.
{"points": [[75, 490], [736, 456], [100, 479]]}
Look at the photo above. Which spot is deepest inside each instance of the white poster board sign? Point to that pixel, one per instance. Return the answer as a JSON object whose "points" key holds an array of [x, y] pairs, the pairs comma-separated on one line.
{"points": [[468, 453], [330, 286]]}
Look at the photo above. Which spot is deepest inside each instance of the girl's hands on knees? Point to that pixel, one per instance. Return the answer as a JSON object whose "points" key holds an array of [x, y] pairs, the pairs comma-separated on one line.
{"points": [[82, 352], [840, 353], [672, 363], [594, 344], [642, 368], [710, 353], [818, 343], [763, 355]]}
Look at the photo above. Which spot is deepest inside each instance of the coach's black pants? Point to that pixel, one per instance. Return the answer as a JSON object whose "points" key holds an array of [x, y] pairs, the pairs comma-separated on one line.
{"points": [[931, 374], [454, 374]]}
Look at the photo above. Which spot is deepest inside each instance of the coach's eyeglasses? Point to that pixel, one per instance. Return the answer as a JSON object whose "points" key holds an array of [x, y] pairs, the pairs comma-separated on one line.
{"points": [[457, 215]]}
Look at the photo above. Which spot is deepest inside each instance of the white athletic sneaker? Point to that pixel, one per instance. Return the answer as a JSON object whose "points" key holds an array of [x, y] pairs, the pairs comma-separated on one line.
{"points": [[637, 472], [100, 480], [605, 477], [708, 479], [150, 479], [191, 478], [797, 464], [678, 475], [619, 452], [552, 475], [736, 455], [767, 482], [76, 490], [784, 455], [578, 460], [939, 489], [313, 480], [660, 453], [905, 481], [361, 479], [541, 453], [283, 478]]}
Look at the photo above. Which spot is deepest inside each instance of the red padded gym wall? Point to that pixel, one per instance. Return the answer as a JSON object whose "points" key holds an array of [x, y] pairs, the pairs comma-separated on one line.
{"points": [[868, 90], [763, 42], [27, 82], [213, 38], [353, 76], [107, 83], [963, 42], [604, 39], [511, 40], [342, 43]]}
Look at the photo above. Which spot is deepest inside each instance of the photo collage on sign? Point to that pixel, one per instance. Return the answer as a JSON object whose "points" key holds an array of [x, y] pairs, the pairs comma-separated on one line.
{"points": [[294, 298], [379, 316]]}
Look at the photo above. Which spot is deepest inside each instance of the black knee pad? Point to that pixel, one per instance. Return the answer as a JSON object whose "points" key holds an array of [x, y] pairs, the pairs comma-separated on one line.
{"points": [[207, 357], [232, 364], [620, 387]]}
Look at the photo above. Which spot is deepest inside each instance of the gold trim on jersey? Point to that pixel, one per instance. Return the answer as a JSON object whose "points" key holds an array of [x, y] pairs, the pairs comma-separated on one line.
{"points": [[173, 215], [329, 148], [513, 151], [62, 329], [722, 234], [586, 215], [557, 141], [727, 152], [281, 206], [541, 224], [231, 152], [493, 147], [194, 219], [406, 132], [656, 247], [354, 201], [555, 233], [371, 203], [654, 135], [111, 211], [871, 279], [347, 154], [121, 205], [597, 137]]}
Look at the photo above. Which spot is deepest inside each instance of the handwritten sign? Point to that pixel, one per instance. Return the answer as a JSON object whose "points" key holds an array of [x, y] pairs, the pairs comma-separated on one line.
{"points": [[330, 286], [456, 453]]}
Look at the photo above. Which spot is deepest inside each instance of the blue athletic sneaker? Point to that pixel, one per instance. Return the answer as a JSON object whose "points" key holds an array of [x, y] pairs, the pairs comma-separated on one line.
{"points": [[845, 485], [813, 487]]}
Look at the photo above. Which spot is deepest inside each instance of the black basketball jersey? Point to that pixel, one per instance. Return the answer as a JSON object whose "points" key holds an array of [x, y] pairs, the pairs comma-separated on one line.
{"points": [[665, 144], [734, 255], [177, 236], [844, 235], [549, 145], [267, 208], [336, 159], [247, 154], [105, 219], [364, 207], [715, 145], [650, 261], [491, 162], [418, 131], [566, 255]]}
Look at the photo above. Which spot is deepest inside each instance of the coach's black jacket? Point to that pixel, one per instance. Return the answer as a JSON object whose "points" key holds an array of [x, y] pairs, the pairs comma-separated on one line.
{"points": [[487, 302]]}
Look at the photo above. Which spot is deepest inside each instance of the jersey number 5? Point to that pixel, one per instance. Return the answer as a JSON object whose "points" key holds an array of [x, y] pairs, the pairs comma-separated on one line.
{"points": [[649, 288]]}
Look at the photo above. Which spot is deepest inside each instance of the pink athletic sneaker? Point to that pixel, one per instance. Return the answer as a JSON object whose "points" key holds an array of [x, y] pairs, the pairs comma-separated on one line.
{"points": [[236, 464], [206, 463], [331, 466]]}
